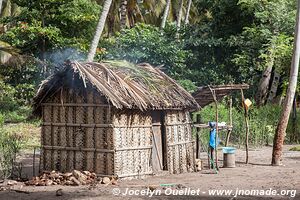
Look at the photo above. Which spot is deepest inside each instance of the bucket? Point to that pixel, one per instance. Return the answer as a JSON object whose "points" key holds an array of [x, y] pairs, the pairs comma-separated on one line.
{"points": [[228, 157]]}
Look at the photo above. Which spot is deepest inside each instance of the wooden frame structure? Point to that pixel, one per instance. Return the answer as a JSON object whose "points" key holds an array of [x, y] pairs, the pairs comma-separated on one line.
{"points": [[213, 94]]}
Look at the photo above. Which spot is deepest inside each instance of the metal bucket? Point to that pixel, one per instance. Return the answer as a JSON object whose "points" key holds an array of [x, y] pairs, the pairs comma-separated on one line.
{"points": [[228, 157]]}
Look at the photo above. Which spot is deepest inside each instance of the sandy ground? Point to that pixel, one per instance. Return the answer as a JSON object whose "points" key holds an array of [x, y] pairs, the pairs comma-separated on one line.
{"points": [[258, 175]]}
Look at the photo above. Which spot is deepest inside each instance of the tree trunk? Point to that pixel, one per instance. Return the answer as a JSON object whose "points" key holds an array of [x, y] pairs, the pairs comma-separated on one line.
{"points": [[187, 14], [123, 14], [179, 17], [99, 30], [1, 7], [294, 133], [165, 15], [288, 103], [262, 92]]}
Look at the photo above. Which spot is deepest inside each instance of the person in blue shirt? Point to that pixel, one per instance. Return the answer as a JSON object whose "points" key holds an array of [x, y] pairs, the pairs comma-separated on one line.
{"points": [[212, 141]]}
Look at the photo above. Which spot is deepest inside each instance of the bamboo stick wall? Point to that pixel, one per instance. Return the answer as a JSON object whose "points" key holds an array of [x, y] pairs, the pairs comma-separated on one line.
{"points": [[133, 143], [81, 131], [77, 133], [180, 145]]}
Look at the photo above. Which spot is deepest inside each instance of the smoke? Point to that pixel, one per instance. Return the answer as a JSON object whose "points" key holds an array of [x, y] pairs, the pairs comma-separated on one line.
{"points": [[58, 57]]}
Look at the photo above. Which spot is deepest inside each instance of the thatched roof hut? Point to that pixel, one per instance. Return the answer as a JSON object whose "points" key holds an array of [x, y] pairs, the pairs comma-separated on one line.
{"points": [[124, 85], [100, 116]]}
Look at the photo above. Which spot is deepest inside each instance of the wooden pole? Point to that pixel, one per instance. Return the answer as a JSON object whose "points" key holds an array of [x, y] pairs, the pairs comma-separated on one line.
{"points": [[33, 162], [217, 132], [198, 145], [213, 93], [247, 127], [230, 122]]}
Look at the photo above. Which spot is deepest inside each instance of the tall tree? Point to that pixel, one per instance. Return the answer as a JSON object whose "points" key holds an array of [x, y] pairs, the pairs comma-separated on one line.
{"points": [[288, 103], [187, 14], [123, 13], [1, 6], [179, 16], [165, 15], [99, 30]]}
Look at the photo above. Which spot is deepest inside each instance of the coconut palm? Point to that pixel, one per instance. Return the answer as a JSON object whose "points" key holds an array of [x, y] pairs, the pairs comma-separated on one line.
{"points": [[187, 14], [99, 30], [1, 7], [166, 14], [8, 8], [179, 16], [123, 13]]}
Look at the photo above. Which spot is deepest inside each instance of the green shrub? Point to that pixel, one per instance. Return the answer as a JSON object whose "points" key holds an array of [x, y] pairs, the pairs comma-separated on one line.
{"points": [[10, 145], [293, 129], [262, 123], [20, 114], [146, 43], [1, 120], [24, 93], [297, 148], [7, 97]]}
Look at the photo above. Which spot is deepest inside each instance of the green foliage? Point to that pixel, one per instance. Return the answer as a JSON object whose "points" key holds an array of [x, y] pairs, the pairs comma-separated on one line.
{"points": [[262, 121], [297, 148], [24, 93], [7, 96], [17, 115], [44, 25], [268, 40], [188, 85], [146, 43], [10, 145], [1, 120]]}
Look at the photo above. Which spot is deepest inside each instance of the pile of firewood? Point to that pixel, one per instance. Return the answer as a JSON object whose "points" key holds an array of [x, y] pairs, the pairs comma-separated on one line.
{"points": [[73, 178]]}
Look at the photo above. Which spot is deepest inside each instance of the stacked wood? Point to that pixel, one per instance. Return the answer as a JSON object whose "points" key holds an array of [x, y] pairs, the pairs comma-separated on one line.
{"points": [[74, 178]]}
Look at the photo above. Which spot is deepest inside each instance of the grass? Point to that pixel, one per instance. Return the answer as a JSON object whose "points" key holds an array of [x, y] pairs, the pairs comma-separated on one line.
{"points": [[297, 148], [18, 115], [29, 132]]}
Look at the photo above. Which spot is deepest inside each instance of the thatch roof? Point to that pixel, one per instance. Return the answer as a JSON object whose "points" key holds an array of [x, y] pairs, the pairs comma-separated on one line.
{"points": [[124, 85], [203, 95]]}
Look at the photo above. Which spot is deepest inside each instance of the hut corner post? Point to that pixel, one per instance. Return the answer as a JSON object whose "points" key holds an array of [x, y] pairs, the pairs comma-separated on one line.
{"points": [[230, 122], [247, 127]]}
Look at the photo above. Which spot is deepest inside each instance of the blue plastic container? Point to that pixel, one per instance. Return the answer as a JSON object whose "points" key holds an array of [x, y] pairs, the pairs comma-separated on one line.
{"points": [[229, 150]]}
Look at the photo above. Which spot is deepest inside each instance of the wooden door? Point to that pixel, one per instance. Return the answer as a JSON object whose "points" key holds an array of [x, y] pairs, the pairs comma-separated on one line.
{"points": [[157, 141]]}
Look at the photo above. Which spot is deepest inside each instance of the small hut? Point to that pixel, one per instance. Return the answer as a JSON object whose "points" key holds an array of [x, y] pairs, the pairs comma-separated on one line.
{"points": [[116, 119]]}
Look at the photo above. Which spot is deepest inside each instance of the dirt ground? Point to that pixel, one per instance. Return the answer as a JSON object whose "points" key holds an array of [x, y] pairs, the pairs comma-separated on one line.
{"points": [[258, 175]]}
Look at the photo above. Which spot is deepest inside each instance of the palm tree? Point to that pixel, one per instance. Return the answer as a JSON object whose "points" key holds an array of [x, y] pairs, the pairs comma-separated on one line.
{"points": [[123, 13], [1, 7], [187, 14], [288, 103], [179, 16], [99, 30], [166, 14]]}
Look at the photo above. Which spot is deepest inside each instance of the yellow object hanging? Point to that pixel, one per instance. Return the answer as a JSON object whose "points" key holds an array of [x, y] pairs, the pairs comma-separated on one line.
{"points": [[247, 103]]}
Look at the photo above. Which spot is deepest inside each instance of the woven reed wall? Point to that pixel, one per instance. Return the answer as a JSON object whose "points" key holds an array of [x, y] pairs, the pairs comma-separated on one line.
{"points": [[77, 133], [81, 131], [180, 145], [133, 143]]}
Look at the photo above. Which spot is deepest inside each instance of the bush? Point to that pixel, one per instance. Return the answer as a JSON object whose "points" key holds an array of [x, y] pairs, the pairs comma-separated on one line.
{"points": [[7, 96], [146, 43], [1, 120], [10, 145], [20, 114], [262, 123]]}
